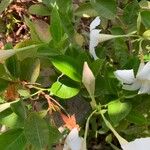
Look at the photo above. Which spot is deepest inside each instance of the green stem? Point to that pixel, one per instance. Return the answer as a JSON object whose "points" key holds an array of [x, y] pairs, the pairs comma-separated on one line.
{"points": [[93, 102], [27, 47], [87, 127], [127, 35], [120, 139]]}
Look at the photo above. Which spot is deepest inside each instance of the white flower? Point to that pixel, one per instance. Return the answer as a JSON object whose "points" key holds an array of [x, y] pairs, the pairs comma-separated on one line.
{"points": [[138, 144], [73, 141], [94, 36], [131, 82]]}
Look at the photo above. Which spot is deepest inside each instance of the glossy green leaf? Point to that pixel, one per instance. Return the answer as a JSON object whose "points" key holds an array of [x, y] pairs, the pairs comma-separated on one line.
{"points": [[105, 8], [13, 139], [36, 131], [39, 9], [63, 90], [56, 28], [68, 66], [118, 110]]}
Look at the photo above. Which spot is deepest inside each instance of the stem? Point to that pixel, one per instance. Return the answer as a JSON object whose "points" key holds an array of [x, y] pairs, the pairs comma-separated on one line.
{"points": [[120, 139], [87, 126], [93, 102], [27, 47], [127, 35]]}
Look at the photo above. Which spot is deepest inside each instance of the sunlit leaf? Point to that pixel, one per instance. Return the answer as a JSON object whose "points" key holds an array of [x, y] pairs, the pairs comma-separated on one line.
{"points": [[118, 110], [68, 66], [63, 90]]}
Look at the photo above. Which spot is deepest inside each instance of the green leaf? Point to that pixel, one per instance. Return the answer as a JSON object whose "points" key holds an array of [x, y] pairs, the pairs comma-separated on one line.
{"points": [[105, 8], [34, 35], [10, 119], [3, 72], [67, 26], [4, 106], [24, 92], [43, 30], [3, 84], [4, 4], [85, 10], [136, 117], [46, 51], [145, 17], [55, 135], [13, 66], [96, 66], [19, 108], [30, 69], [131, 12], [64, 90], [68, 66], [65, 6], [39, 9], [118, 110], [3, 27], [13, 139], [35, 70], [56, 28], [36, 131], [31, 52], [120, 47]]}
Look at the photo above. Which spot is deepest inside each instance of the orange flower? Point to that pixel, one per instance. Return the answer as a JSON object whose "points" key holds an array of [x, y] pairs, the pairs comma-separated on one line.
{"points": [[70, 121]]}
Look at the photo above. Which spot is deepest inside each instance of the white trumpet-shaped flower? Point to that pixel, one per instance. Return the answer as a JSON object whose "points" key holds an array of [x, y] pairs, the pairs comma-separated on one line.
{"points": [[138, 144], [94, 36], [73, 141], [139, 82]]}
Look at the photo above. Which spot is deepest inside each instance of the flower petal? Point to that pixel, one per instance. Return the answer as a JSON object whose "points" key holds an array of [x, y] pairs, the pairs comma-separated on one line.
{"points": [[95, 23], [138, 144], [144, 74], [73, 141], [145, 87], [125, 76], [94, 40], [132, 87]]}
